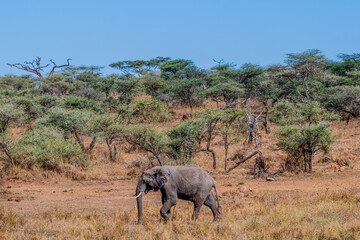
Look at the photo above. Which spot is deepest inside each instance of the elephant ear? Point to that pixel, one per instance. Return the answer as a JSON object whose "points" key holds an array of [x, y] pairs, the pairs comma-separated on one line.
{"points": [[161, 177]]}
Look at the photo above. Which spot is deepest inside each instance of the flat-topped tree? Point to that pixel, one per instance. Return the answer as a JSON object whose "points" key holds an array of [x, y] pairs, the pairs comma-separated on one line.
{"points": [[349, 63], [305, 71], [225, 93], [36, 68], [188, 92], [139, 67], [175, 69]]}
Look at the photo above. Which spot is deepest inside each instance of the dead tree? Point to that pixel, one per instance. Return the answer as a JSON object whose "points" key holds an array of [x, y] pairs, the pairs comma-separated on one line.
{"points": [[265, 118], [253, 131], [36, 68], [259, 167]]}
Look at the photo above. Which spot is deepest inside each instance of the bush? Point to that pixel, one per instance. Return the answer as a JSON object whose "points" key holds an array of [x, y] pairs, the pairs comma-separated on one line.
{"points": [[187, 91], [184, 140], [108, 128], [287, 113], [150, 111], [90, 93], [31, 108], [153, 85], [9, 151], [344, 99], [66, 120], [81, 103], [9, 114], [47, 149], [57, 84], [301, 143], [225, 92], [126, 90], [147, 139], [47, 101]]}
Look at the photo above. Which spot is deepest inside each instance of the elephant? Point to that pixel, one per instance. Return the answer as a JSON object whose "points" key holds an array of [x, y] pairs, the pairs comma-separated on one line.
{"points": [[190, 183]]}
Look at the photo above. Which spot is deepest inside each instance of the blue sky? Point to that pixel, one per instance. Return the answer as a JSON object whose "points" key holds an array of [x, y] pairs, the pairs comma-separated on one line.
{"points": [[101, 32]]}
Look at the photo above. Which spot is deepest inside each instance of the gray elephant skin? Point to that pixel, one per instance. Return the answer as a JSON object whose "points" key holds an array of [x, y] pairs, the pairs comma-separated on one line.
{"points": [[190, 183]]}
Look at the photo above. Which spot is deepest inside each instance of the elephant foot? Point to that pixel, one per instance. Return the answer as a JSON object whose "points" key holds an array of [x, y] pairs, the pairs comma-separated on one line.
{"points": [[166, 217], [217, 219]]}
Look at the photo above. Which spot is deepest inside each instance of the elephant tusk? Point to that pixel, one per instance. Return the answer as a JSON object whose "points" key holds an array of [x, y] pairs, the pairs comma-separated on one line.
{"points": [[138, 195]]}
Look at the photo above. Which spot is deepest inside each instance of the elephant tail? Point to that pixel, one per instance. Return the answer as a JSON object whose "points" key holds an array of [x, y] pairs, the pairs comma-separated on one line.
{"points": [[217, 198]]}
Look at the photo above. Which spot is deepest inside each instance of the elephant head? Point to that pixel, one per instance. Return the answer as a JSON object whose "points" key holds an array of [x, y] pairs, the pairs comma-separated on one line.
{"points": [[152, 179]]}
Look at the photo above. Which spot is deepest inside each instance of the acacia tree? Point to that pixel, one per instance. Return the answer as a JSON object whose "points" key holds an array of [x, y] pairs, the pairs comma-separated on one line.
{"points": [[232, 125], [74, 122], [344, 99], [301, 143], [184, 141], [153, 85], [174, 69], [288, 113], [305, 72], [126, 89], [148, 139], [226, 93], [139, 67], [209, 119], [36, 68], [108, 128], [188, 91], [349, 63]]}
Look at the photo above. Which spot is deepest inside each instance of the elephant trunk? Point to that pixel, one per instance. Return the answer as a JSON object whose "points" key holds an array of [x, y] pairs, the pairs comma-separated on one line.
{"points": [[139, 189]]}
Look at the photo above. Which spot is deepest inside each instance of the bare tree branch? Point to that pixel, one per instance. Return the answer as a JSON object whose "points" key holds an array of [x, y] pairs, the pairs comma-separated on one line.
{"points": [[236, 156], [36, 68], [56, 66]]}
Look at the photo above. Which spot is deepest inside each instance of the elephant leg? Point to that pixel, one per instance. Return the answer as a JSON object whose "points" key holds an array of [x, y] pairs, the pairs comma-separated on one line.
{"points": [[196, 211], [211, 203], [199, 201], [165, 210], [193, 215], [163, 200]]}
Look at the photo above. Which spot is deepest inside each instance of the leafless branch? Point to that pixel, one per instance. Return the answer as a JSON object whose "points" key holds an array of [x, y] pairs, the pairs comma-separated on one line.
{"points": [[36, 68], [61, 66], [237, 156]]}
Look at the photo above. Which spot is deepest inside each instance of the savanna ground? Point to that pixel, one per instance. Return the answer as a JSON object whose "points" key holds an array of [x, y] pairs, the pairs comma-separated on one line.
{"points": [[101, 205]]}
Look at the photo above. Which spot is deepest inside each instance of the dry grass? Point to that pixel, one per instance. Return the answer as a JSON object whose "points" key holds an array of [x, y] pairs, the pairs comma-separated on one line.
{"points": [[269, 215]]}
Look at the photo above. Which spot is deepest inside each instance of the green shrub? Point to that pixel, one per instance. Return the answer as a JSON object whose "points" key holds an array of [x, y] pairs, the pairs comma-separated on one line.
{"points": [[225, 92], [287, 113], [150, 111], [66, 120], [344, 99], [9, 153], [188, 92], [9, 114], [147, 138], [126, 90], [153, 85], [31, 108], [89, 93], [74, 102], [301, 143], [184, 140], [47, 101], [47, 149], [57, 84]]}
